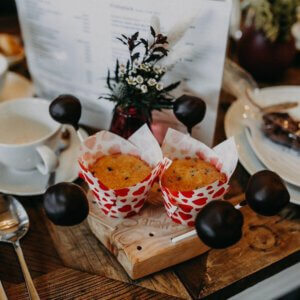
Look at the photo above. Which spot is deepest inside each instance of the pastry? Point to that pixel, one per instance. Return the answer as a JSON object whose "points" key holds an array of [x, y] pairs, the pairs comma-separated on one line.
{"points": [[118, 171], [282, 129], [190, 174]]}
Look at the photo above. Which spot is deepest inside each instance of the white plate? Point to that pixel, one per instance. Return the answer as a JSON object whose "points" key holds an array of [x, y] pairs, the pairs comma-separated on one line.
{"points": [[33, 183], [234, 126], [16, 86], [275, 157]]}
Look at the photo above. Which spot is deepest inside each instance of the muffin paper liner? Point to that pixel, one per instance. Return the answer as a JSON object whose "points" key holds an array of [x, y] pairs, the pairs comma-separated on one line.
{"points": [[183, 206], [125, 202]]}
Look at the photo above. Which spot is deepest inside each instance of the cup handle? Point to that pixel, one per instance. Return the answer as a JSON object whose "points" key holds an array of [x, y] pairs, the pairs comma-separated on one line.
{"points": [[49, 160]]}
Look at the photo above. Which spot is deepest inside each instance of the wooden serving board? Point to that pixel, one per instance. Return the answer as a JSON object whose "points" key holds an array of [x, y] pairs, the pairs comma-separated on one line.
{"points": [[142, 244], [268, 245]]}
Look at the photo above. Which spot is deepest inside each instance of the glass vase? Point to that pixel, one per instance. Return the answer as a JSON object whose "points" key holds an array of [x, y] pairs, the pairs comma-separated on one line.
{"points": [[127, 120]]}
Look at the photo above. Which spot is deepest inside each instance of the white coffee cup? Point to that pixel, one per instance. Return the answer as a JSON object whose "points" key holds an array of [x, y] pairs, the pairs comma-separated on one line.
{"points": [[37, 153], [3, 70]]}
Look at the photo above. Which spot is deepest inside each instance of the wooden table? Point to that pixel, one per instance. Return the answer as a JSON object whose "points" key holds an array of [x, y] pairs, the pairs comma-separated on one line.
{"points": [[69, 263]]}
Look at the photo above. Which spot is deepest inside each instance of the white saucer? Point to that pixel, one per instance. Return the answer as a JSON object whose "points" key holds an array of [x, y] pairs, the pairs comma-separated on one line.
{"points": [[33, 183], [234, 126], [16, 86]]}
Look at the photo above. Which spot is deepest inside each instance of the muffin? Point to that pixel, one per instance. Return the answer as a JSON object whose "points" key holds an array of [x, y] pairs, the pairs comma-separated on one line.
{"points": [[119, 171], [190, 174]]}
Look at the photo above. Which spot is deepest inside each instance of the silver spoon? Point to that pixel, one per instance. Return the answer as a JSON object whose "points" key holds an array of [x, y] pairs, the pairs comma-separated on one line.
{"points": [[3, 214], [14, 224]]}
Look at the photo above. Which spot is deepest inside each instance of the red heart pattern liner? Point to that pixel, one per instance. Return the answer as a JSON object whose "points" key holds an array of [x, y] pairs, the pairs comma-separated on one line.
{"points": [[187, 204], [181, 206], [121, 203]]}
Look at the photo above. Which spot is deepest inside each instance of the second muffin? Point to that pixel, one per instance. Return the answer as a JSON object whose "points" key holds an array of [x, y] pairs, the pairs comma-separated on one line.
{"points": [[190, 174]]}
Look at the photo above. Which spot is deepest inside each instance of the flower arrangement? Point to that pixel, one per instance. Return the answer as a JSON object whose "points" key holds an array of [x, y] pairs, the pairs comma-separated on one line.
{"points": [[275, 17], [138, 83]]}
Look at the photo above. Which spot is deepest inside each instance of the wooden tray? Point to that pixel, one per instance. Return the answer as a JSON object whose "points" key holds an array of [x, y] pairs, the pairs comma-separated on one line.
{"points": [[268, 245], [142, 244]]}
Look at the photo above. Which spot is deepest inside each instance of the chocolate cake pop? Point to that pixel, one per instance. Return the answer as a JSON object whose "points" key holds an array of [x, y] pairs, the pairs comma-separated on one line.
{"points": [[66, 109], [266, 193], [66, 204], [219, 224], [189, 110]]}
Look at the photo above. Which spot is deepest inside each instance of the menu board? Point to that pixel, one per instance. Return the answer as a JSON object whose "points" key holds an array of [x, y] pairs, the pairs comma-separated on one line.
{"points": [[70, 44]]}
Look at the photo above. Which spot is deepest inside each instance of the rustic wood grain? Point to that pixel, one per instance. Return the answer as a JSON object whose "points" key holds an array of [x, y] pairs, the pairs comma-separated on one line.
{"points": [[139, 252], [266, 241], [80, 250], [68, 284], [142, 244], [7, 285]]}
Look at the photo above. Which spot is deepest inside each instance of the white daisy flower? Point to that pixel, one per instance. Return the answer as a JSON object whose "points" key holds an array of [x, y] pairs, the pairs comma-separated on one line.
{"points": [[139, 79], [144, 89], [157, 69], [151, 82], [144, 67], [159, 86], [131, 81]]}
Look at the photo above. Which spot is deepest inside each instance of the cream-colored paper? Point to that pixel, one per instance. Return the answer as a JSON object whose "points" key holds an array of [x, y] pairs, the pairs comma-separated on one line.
{"points": [[70, 44]]}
